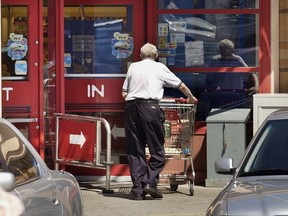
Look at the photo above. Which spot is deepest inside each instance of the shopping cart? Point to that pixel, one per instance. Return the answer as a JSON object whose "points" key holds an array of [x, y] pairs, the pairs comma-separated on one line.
{"points": [[179, 132]]}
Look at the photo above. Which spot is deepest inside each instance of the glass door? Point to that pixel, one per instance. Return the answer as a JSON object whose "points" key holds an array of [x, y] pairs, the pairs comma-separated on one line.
{"points": [[22, 67], [101, 39]]}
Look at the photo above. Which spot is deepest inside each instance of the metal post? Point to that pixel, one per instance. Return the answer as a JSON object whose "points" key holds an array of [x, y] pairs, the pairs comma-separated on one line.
{"points": [[108, 161]]}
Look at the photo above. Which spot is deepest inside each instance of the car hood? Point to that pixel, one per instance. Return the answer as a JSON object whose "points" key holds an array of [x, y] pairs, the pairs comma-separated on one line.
{"points": [[254, 196]]}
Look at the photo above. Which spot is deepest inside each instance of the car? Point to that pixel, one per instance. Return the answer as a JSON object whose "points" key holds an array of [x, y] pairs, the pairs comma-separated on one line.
{"points": [[259, 185], [24, 173]]}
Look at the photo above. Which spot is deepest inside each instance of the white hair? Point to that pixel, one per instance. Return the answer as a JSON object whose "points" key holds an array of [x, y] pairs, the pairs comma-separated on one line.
{"points": [[148, 50]]}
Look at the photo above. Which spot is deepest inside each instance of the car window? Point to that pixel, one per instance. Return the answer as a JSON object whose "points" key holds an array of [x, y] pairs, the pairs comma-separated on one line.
{"points": [[16, 156], [270, 150]]}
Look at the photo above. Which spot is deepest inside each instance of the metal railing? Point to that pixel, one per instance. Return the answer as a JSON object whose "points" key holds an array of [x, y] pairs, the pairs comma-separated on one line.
{"points": [[96, 163]]}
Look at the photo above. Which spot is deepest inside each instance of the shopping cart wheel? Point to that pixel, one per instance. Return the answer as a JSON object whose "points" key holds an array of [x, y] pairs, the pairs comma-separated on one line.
{"points": [[173, 186], [173, 182], [191, 187]]}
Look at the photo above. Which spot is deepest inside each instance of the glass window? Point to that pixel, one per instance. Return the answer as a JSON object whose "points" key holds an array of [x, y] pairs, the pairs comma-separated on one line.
{"points": [[98, 39], [193, 40], [14, 22], [218, 90], [207, 4], [213, 50], [17, 157]]}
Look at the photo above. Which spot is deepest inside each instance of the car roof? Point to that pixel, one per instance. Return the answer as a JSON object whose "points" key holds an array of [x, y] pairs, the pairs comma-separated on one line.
{"points": [[279, 114]]}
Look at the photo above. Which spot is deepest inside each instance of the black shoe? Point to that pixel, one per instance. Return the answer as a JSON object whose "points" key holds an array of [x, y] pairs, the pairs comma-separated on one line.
{"points": [[138, 197], [153, 191]]}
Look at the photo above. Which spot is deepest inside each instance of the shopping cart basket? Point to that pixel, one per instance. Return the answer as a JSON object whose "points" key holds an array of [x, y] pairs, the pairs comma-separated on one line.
{"points": [[179, 132]]}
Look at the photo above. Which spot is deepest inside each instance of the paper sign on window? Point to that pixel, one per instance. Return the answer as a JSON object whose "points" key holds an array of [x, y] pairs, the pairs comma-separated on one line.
{"points": [[122, 45], [17, 46]]}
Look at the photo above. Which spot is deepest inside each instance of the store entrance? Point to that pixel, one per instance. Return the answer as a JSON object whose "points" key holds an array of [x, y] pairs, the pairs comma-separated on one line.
{"points": [[100, 39], [22, 68]]}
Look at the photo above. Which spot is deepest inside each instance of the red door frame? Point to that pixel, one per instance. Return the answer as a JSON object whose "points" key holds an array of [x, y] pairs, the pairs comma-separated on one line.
{"points": [[265, 47], [29, 93]]}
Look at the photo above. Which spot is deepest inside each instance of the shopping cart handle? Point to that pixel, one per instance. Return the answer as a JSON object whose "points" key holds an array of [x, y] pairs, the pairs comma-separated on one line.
{"points": [[181, 100]]}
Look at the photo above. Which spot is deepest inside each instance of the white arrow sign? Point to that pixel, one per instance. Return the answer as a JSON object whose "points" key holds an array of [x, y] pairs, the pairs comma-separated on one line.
{"points": [[77, 139], [118, 132]]}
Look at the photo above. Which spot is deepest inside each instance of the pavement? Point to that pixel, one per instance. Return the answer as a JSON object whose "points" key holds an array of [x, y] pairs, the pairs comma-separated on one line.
{"points": [[174, 203]]}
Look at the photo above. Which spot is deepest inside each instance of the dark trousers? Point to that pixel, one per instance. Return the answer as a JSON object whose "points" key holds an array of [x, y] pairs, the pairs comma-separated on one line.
{"points": [[144, 127]]}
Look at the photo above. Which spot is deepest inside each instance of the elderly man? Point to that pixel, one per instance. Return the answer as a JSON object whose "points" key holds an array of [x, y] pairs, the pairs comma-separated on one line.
{"points": [[142, 89]]}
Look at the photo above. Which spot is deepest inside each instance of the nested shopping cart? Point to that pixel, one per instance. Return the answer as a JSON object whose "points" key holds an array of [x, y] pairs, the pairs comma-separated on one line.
{"points": [[179, 133]]}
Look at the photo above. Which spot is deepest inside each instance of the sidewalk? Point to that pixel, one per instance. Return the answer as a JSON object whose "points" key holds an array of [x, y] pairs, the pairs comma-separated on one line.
{"points": [[178, 203]]}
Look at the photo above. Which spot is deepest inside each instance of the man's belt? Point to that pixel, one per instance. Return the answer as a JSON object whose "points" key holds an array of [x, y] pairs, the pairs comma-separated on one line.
{"points": [[141, 100]]}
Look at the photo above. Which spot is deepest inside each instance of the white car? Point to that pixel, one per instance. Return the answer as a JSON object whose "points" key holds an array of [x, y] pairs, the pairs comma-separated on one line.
{"points": [[259, 186], [24, 174]]}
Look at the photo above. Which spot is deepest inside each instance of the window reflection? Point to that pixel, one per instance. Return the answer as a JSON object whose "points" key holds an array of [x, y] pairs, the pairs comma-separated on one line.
{"points": [[98, 39], [226, 56], [204, 4], [187, 41], [219, 90]]}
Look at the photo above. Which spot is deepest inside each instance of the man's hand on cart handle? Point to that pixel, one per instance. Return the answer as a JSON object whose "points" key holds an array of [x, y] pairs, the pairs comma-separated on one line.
{"points": [[194, 101], [182, 100]]}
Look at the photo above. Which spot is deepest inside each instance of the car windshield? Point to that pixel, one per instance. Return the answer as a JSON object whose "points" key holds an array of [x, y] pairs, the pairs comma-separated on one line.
{"points": [[269, 154]]}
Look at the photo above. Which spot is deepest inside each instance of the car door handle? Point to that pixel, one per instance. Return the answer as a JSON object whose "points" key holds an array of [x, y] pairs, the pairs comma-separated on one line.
{"points": [[55, 200]]}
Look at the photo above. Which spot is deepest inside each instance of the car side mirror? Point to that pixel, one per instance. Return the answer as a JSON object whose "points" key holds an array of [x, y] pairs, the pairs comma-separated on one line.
{"points": [[224, 166], [7, 181]]}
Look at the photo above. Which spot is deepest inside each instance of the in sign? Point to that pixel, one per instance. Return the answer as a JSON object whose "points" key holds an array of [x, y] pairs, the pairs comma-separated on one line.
{"points": [[92, 89]]}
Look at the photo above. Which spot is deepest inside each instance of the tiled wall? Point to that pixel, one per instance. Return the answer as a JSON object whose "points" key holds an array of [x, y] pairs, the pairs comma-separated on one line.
{"points": [[283, 40]]}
